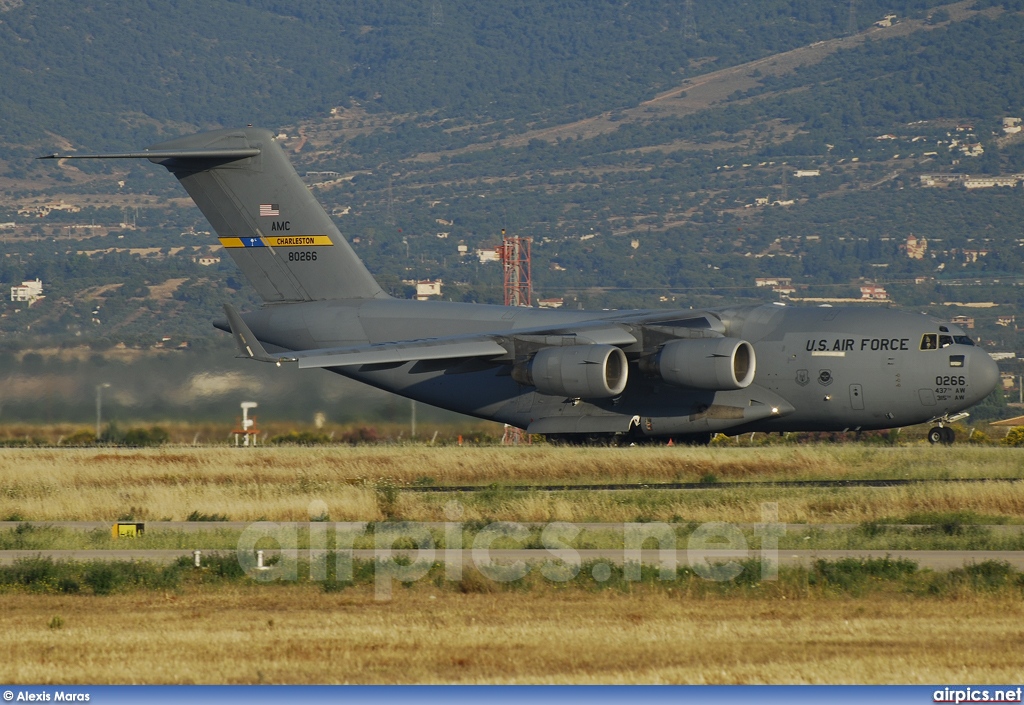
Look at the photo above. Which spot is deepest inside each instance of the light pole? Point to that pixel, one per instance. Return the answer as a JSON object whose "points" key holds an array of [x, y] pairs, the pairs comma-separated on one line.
{"points": [[99, 407]]}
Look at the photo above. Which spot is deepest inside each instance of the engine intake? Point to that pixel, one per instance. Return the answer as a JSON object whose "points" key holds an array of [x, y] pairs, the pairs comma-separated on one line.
{"points": [[703, 363], [583, 371]]}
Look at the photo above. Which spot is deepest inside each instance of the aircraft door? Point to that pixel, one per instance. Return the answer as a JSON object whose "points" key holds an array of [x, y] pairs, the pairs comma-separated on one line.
{"points": [[856, 397]]}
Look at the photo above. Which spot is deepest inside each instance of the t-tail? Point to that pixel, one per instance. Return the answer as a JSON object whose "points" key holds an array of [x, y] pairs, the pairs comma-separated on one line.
{"points": [[267, 220]]}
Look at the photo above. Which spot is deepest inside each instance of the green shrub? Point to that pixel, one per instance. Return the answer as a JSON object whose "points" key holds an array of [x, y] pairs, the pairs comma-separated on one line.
{"points": [[199, 516], [145, 438], [102, 578], [301, 438], [852, 574], [84, 437], [1015, 437]]}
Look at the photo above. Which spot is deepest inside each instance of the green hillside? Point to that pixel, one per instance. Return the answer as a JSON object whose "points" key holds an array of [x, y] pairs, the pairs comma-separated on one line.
{"points": [[631, 140], [106, 72]]}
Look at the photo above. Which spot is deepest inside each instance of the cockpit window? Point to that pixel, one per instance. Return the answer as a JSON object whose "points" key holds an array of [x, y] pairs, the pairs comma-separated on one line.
{"points": [[929, 342], [943, 329], [945, 341], [963, 340]]}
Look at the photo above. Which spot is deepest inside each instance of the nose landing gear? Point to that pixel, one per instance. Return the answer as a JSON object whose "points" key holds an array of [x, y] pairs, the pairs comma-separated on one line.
{"points": [[942, 433]]}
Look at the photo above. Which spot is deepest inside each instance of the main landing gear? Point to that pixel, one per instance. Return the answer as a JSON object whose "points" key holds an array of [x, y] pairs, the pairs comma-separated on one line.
{"points": [[942, 434]]}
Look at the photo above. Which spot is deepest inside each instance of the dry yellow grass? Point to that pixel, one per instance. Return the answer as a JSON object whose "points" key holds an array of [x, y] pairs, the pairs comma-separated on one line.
{"points": [[301, 635], [287, 484]]}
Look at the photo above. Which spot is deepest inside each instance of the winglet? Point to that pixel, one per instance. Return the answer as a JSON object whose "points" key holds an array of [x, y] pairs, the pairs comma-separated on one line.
{"points": [[248, 345]]}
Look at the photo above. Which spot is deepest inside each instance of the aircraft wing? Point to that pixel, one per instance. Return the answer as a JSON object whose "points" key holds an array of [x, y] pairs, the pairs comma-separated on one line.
{"points": [[441, 348], [375, 354]]}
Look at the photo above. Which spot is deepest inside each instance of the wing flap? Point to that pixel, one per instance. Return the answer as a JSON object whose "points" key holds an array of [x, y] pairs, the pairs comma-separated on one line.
{"points": [[405, 351]]}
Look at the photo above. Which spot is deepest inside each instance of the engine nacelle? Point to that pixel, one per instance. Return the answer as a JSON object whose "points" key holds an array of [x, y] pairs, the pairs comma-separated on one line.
{"points": [[583, 371], [703, 363]]}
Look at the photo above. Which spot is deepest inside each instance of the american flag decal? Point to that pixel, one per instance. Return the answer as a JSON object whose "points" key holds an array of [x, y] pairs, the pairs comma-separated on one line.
{"points": [[269, 209]]}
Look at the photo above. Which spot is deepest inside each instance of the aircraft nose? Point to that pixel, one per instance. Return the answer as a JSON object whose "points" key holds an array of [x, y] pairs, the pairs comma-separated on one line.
{"points": [[984, 374]]}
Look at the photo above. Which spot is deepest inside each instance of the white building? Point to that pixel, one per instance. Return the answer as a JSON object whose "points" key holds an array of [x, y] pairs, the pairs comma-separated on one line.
{"points": [[872, 292], [772, 281], [991, 181], [427, 288], [28, 292]]}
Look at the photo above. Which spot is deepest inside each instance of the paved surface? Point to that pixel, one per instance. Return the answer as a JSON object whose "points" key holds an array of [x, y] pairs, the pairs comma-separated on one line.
{"points": [[197, 526]]}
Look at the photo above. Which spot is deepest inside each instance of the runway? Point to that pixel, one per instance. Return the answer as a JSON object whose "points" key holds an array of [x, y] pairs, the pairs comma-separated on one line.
{"points": [[198, 526]]}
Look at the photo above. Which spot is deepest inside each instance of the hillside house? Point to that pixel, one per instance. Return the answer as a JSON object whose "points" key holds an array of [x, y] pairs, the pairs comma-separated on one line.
{"points": [[28, 292], [427, 288], [915, 247], [873, 292], [773, 281]]}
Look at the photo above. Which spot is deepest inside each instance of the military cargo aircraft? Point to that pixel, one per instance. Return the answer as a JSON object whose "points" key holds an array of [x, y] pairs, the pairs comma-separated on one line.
{"points": [[575, 376]]}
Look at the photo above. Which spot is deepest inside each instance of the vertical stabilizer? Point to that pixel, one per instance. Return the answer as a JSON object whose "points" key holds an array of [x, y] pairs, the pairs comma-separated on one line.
{"points": [[267, 220], [265, 217]]}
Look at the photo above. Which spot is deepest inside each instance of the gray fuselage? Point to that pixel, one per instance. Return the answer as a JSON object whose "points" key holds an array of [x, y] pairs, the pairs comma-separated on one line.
{"points": [[820, 369]]}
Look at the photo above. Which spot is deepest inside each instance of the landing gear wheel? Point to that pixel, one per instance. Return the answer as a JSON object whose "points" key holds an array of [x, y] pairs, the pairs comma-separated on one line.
{"points": [[937, 435], [948, 435]]}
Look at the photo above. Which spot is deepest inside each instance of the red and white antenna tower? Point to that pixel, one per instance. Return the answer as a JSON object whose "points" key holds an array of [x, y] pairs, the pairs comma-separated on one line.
{"points": [[517, 265]]}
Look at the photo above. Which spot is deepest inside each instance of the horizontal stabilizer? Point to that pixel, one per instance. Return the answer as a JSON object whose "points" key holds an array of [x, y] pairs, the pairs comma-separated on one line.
{"points": [[158, 155]]}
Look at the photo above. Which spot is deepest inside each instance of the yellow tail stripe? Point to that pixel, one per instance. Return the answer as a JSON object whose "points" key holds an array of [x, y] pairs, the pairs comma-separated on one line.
{"points": [[278, 241], [297, 240]]}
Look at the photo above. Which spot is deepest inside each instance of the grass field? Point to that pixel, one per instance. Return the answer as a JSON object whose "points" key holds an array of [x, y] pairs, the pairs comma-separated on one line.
{"points": [[365, 484], [843, 626], [302, 635]]}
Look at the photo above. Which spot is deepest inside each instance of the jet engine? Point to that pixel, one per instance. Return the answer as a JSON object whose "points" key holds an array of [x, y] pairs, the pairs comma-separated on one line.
{"points": [[703, 363], [583, 371]]}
